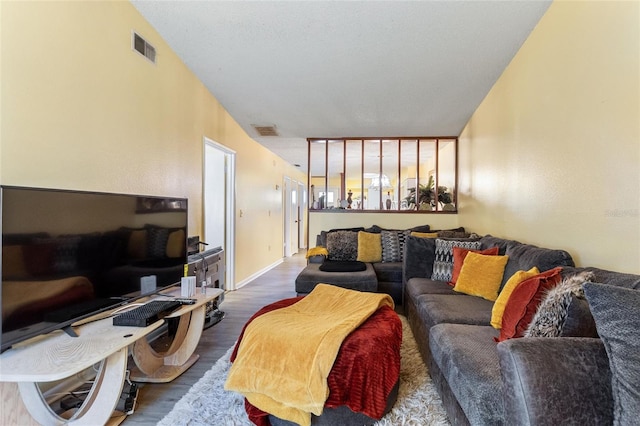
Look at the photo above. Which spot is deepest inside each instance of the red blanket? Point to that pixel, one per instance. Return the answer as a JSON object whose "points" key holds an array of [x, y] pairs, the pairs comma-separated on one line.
{"points": [[366, 368]]}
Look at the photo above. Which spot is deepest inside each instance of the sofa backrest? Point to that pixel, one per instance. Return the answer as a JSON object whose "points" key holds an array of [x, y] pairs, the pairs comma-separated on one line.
{"points": [[526, 256], [603, 276]]}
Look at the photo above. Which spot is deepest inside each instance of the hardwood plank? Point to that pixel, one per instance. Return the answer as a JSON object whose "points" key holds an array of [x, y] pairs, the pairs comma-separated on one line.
{"points": [[155, 400]]}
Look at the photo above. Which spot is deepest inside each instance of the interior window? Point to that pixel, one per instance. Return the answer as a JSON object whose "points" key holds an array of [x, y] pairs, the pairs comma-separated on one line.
{"points": [[383, 174]]}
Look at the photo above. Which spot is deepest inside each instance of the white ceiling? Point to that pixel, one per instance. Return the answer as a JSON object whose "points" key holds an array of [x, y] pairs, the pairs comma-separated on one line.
{"points": [[345, 68]]}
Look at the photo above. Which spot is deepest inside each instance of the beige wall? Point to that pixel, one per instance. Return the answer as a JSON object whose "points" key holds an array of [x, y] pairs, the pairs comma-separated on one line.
{"points": [[81, 110], [552, 155]]}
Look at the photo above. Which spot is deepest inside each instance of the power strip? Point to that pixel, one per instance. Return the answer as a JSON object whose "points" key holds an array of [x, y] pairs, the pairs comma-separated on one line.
{"points": [[128, 398], [126, 404]]}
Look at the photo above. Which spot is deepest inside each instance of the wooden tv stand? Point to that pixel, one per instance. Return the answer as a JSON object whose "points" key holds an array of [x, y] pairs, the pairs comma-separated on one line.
{"points": [[57, 356]]}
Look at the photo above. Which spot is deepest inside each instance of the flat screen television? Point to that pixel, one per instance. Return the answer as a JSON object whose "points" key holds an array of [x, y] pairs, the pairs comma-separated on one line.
{"points": [[67, 255]]}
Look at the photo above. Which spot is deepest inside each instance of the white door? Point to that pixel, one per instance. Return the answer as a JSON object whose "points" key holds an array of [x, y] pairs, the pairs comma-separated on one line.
{"points": [[286, 224], [219, 203], [294, 217], [302, 208]]}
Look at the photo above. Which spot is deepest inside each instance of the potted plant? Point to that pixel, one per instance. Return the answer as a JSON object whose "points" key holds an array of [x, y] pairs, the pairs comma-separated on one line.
{"points": [[426, 196]]}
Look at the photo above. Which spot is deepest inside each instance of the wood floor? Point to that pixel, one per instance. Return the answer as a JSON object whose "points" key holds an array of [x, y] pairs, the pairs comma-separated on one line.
{"points": [[156, 400]]}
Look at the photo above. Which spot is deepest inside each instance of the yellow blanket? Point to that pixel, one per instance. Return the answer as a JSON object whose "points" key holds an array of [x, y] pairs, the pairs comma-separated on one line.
{"points": [[286, 355], [317, 251]]}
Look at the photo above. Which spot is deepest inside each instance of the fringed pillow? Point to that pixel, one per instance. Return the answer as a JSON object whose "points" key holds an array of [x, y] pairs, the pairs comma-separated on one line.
{"points": [[551, 316]]}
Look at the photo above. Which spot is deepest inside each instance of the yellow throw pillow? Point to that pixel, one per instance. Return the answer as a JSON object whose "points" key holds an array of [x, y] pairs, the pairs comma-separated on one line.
{"points": [[424, 234], [503, 297], [369, 247], [481, 275], [137, 247], [13, 264], [175, 247]]}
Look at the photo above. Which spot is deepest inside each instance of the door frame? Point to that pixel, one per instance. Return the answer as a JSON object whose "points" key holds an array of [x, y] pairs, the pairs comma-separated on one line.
{"points": [[302, 207], [290, 217], [230, 207]]}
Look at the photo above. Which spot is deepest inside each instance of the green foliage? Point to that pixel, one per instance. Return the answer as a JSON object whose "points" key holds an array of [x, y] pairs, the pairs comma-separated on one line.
{"points": [[426, 195]]}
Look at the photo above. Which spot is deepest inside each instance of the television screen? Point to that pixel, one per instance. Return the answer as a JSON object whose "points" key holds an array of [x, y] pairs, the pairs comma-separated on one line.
{"points": [[67, 255]]}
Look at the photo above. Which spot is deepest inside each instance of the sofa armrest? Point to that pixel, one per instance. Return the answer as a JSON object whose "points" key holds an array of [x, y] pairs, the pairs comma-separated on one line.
{"points": [[318, 258], [551, 381], [417, 261]]}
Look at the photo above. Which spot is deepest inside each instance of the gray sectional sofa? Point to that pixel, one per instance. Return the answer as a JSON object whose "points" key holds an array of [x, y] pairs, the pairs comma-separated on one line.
{"points": [[383, 277], [485, 378], [519, 381]]}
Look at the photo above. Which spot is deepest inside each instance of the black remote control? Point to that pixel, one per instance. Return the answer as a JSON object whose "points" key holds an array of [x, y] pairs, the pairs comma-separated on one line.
{"points": [[185, 301]]}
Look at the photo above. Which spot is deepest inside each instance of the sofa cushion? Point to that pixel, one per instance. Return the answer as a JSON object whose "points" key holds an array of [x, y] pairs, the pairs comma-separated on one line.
{"points": [[388, 271], [369, 247], [550, 318], [311, 275], [615, 310], [393, 245], [342, 245], [524, 301], [468, 358], [418, 286], [342, 266], [481, 275], [579, 321], [418, 258], [436, 309], [443, 261]]}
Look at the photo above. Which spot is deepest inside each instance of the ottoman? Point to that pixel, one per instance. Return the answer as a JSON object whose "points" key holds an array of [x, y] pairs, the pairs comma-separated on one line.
{"points": [[311, 275], [364, 378]]}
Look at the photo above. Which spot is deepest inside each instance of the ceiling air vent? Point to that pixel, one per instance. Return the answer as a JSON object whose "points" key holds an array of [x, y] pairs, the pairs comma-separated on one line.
{"points": [[266, 130], [141, 46]]}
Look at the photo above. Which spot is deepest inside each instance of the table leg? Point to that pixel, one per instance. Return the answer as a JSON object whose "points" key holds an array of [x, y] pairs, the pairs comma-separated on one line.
{"points": [[100, 403], [163, 367]]}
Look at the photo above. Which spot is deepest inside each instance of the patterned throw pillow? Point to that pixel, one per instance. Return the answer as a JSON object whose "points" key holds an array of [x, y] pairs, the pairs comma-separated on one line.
{"points": [[157, 242], [551, 315], [342, 245], [65, 255], [393, 245], [443, 261]]}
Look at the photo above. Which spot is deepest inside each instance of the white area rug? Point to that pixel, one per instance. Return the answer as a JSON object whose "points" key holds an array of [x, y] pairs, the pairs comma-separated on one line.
{"points": [[207, 403]]}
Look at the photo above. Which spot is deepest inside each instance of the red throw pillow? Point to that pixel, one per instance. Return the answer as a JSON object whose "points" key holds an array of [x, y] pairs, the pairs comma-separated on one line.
{"points": [[524, 301], [460, 253]]}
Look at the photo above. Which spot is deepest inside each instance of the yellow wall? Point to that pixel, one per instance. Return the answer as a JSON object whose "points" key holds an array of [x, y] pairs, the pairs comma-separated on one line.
{"points": [[552, 155], [81, 110]]}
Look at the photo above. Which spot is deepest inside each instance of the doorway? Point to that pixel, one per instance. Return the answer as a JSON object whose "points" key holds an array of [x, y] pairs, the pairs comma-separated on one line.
{"points": [[302, 208], [219, 203], [291, 217]]}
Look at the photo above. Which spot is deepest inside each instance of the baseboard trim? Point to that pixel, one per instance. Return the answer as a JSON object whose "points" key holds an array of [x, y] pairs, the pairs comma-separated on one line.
{"points": [[247, 280]]}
